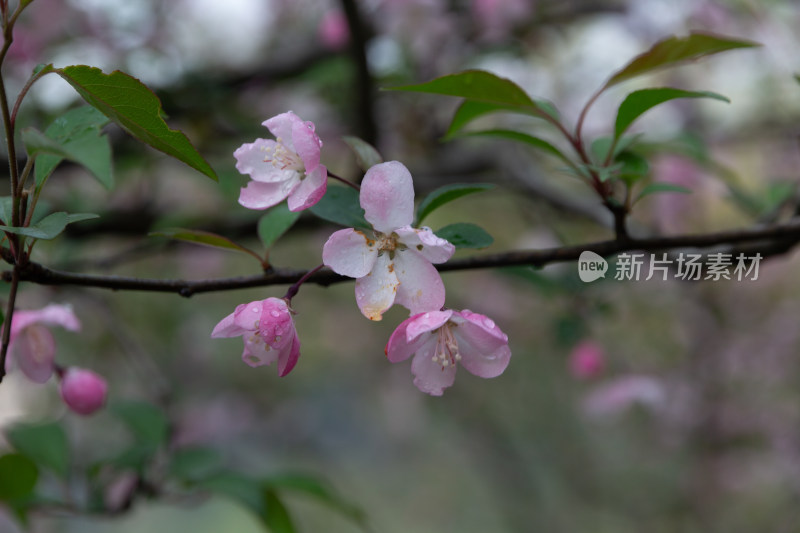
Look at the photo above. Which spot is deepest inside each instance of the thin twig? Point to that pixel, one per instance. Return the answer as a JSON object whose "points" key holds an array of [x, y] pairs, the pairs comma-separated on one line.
{"points": [[768, 241]]}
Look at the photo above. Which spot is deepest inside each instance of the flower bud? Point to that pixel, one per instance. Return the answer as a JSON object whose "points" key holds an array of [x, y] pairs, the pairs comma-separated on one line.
{"points": [[83, 391]]}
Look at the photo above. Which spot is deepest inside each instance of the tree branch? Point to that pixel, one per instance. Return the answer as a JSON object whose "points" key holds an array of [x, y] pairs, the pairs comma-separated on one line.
{"points": [[768, 241]]}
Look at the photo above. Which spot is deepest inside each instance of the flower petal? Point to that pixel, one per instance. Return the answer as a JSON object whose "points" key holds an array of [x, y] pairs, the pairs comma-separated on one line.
{"points": [[248, 316], [255, 160], [306, 144], [257, 353], [387, 196], [281, 126], [421, 288], [350, 253], [311, 189], [53, 315], [227, 327], [425, 322], [431, 247], [483, 346], [288, 357], [35, 351], [430, 376], [258, 195], [276, 326], [401, 345], [375, 292]]}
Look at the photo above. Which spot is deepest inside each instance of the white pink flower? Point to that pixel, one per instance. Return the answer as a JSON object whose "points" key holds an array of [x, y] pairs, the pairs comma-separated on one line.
{"points": [[394, 264], [441, 339], [82, 390], [286, 167], [32, 346], [268, 330]]}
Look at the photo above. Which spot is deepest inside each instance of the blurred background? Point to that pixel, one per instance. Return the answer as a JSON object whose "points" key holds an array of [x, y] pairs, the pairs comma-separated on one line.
{"points": [[657, 406]]}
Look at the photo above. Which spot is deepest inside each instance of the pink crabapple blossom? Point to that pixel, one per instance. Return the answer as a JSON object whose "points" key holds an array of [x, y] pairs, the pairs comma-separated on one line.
{"points": [[440, 339], [82, 390], [268, 330], [32, 346], [286, 167], [586, 360], [394, 265]]}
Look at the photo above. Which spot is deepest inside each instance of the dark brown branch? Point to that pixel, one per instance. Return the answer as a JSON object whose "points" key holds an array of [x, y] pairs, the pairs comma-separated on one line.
{"points": [[769, 241]]}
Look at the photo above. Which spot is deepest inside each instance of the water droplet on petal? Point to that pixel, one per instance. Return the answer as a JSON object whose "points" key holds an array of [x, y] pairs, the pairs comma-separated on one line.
{"points": [[275, 313], [488, 322]]}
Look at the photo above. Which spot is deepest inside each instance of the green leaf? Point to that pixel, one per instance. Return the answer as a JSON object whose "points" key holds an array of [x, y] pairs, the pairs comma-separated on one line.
{"points": [[276, 516], [136, 109], [366, 154], [45, 444], [469, 110], [634, 167], [448, 193], [87, 147], [18, 476], [253, 495], [147, 423], [639, 102], [237, 487], [341, 205], [465, 235], [5, 209], [655, 188], [675, 50], [205, 238], [536, 142], [50, 226], [275, 222], [482, 86], [195, 464], [320, 491], [78, 131]]}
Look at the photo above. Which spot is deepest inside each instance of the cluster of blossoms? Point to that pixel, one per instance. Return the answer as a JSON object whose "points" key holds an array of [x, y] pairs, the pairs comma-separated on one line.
{"points": [[33, 349], [393, 264]]}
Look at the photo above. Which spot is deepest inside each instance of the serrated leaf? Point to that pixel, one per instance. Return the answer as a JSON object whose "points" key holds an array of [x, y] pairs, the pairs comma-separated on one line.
{"points": [[136, 109], [195, 464], [50, 226], [481, 86], [275, 222], [319, 490], [675, 50], [536, 142], [87, 147], [18, 476], [45, 444], [206, 238], [366, 154], [446, 194], [470, 110], [276, 515], [465, 235], [341, 205], [639, 102], [147, 423], [655, 188]]}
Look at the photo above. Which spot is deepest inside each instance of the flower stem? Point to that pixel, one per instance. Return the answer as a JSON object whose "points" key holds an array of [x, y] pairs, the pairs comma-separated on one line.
{"points": [[12, 297], [292, 292], [346, 182]]}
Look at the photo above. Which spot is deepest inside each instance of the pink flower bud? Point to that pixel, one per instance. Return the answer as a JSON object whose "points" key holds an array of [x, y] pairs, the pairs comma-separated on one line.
{"points": [[82, 390], [586, 360]]}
